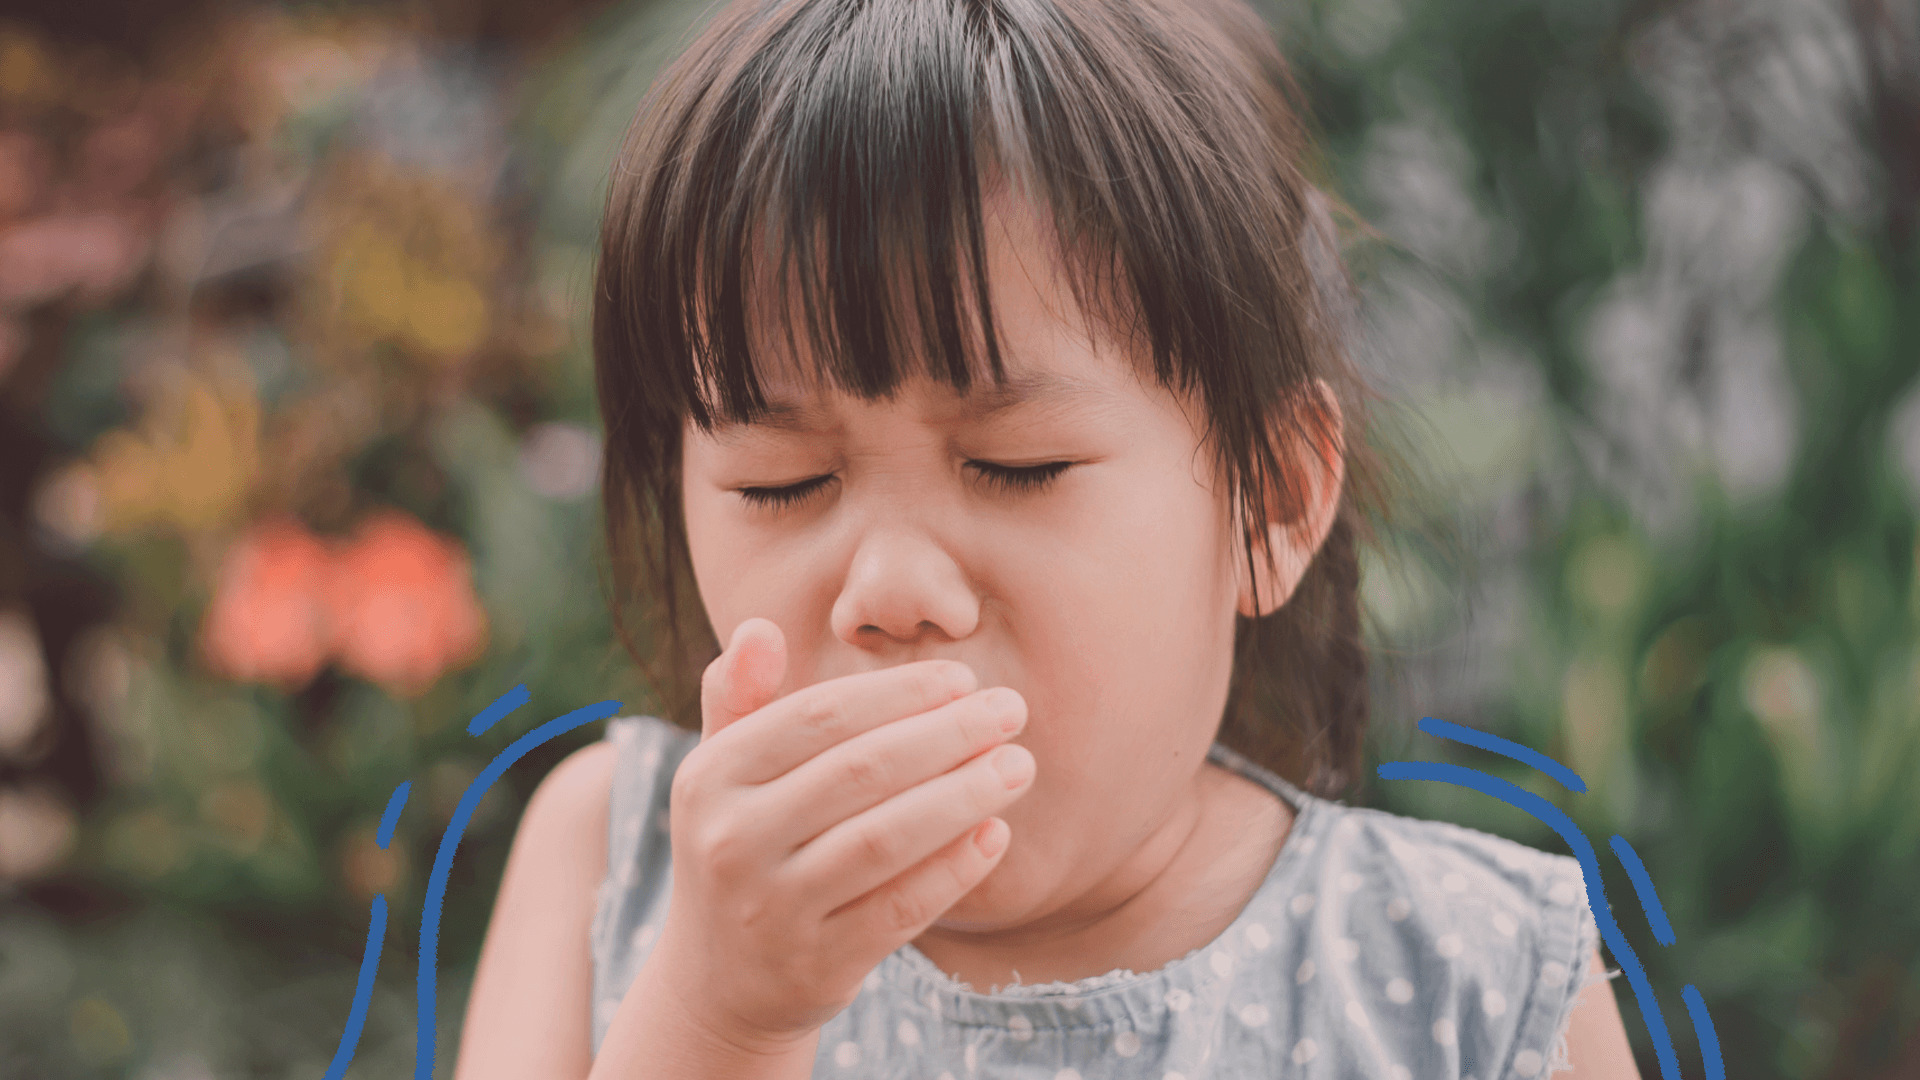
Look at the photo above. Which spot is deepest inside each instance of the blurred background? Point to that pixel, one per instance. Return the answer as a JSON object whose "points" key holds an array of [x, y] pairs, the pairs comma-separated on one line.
{"points": [[298, 462]]}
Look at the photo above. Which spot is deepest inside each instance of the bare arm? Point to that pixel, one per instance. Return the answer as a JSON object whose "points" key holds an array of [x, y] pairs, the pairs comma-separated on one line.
{"points": [[530, 1010], [528, 1013], [1597, 1046]]}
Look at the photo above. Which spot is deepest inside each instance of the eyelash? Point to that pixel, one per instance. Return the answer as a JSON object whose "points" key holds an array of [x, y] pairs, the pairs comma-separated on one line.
{"points": [[1010, 478]]}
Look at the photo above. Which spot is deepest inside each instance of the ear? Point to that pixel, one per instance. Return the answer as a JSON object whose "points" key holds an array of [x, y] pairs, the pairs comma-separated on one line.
{"points": [[1291, 546]]}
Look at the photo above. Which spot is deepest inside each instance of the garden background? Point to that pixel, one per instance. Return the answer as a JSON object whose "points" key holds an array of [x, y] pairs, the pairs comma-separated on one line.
{"points": [[298, 458]]}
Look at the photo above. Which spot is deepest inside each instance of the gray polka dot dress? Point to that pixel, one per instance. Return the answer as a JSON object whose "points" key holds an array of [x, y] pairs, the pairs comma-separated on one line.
{"points": [[1379, 946]]}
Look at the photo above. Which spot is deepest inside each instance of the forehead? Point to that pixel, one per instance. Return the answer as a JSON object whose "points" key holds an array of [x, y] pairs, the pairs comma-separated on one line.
{"points": [[1054, 356], [794, 410]]}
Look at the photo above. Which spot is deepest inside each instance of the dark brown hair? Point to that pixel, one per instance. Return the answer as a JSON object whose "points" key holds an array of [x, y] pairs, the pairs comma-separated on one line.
{"points": [[1165, 138]]}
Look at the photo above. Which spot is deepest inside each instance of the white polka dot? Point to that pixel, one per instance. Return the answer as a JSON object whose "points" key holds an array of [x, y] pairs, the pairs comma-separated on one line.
{"points": [[1257, 936], [1449, 945], [609, 1005], [1399, 991], [1178, 999], [1020, 1028], [1494, 1002], [1443, 1032], [643, 935], [1357, 1014], [1301, 904], [945, 1074], [1221, 962], [1347, 949], [650, 758], [1400, 1072], [1127, 1043], [846, 1054], [1305, 974], [1304, 1050], [1507, 858], [933, 1001], [1349, 881], [1553, 973], [1068, 1073], [1564, 892], [662, 821], [631, 828], [1253, 1015], [1306, 844], [1504, 923], [1527, 1062], [973, 1053], [872, 981], [907, 1033], [1398, 908], [1454, 882]]}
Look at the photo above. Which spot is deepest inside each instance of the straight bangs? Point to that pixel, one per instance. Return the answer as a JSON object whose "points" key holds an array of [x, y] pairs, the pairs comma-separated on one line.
{"points": [[854, 148]]}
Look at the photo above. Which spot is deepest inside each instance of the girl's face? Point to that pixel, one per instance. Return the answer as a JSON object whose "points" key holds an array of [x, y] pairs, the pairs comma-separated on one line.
{"points": [[1103, 589]]}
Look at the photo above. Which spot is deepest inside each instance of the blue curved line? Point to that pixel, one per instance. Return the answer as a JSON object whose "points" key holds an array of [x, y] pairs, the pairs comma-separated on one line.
{"points": [[1559, 822], [1703, 1029], [1446, 729], [362, 990], [392, 815], [1643, 888], [443, 860], [501, 706]]}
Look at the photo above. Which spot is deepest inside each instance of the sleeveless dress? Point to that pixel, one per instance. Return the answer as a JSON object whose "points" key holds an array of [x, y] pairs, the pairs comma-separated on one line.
{"points": [[1378, 946]]}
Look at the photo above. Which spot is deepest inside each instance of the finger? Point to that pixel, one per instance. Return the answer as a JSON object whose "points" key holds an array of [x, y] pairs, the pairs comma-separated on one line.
{"points": [[874, 766], [902, 908], [814, 719], [872, 848], [743, 678]]}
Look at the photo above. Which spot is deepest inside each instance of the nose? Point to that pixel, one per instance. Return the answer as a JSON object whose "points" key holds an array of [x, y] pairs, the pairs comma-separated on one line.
{"points": [[903, 588]]}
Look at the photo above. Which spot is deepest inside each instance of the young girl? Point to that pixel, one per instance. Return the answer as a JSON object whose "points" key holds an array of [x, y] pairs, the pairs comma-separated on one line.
{"points": [[1030, 523]]}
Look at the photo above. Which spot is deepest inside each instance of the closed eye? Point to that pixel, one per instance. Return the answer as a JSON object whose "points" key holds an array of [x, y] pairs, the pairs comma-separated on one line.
{"points": [[1011, 478]]}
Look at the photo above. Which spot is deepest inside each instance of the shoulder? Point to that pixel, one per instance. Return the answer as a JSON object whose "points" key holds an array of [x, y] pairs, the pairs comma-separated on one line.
{"points": [[576, 788], [574, 803], [1463, 889], [1487, 941], [1441, 863], [566, 817]]}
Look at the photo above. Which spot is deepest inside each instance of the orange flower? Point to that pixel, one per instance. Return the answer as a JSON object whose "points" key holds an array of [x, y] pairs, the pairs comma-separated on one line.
{"points": [[402, 605], [267, 622]]}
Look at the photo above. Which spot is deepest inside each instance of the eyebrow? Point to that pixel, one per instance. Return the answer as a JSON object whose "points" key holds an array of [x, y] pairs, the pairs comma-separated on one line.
{"points": [[1020, 388]]}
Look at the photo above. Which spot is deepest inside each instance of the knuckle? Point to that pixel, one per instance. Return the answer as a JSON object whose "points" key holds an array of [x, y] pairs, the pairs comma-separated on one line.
{"points": [[864, 776], [876, 847], [683, 791], [900, 910], [723, 845], [823, 714]]}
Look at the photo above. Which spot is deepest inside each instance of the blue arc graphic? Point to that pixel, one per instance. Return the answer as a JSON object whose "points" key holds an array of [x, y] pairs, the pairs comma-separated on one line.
{"points": [[425, 1023], [1551, 816]]}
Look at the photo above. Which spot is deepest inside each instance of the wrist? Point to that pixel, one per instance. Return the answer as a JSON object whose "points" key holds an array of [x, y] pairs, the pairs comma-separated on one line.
{"points": [[720, 1039]]}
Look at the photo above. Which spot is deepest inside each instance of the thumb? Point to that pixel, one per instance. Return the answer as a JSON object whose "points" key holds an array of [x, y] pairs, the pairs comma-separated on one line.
{"points": [[744, 677]]}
